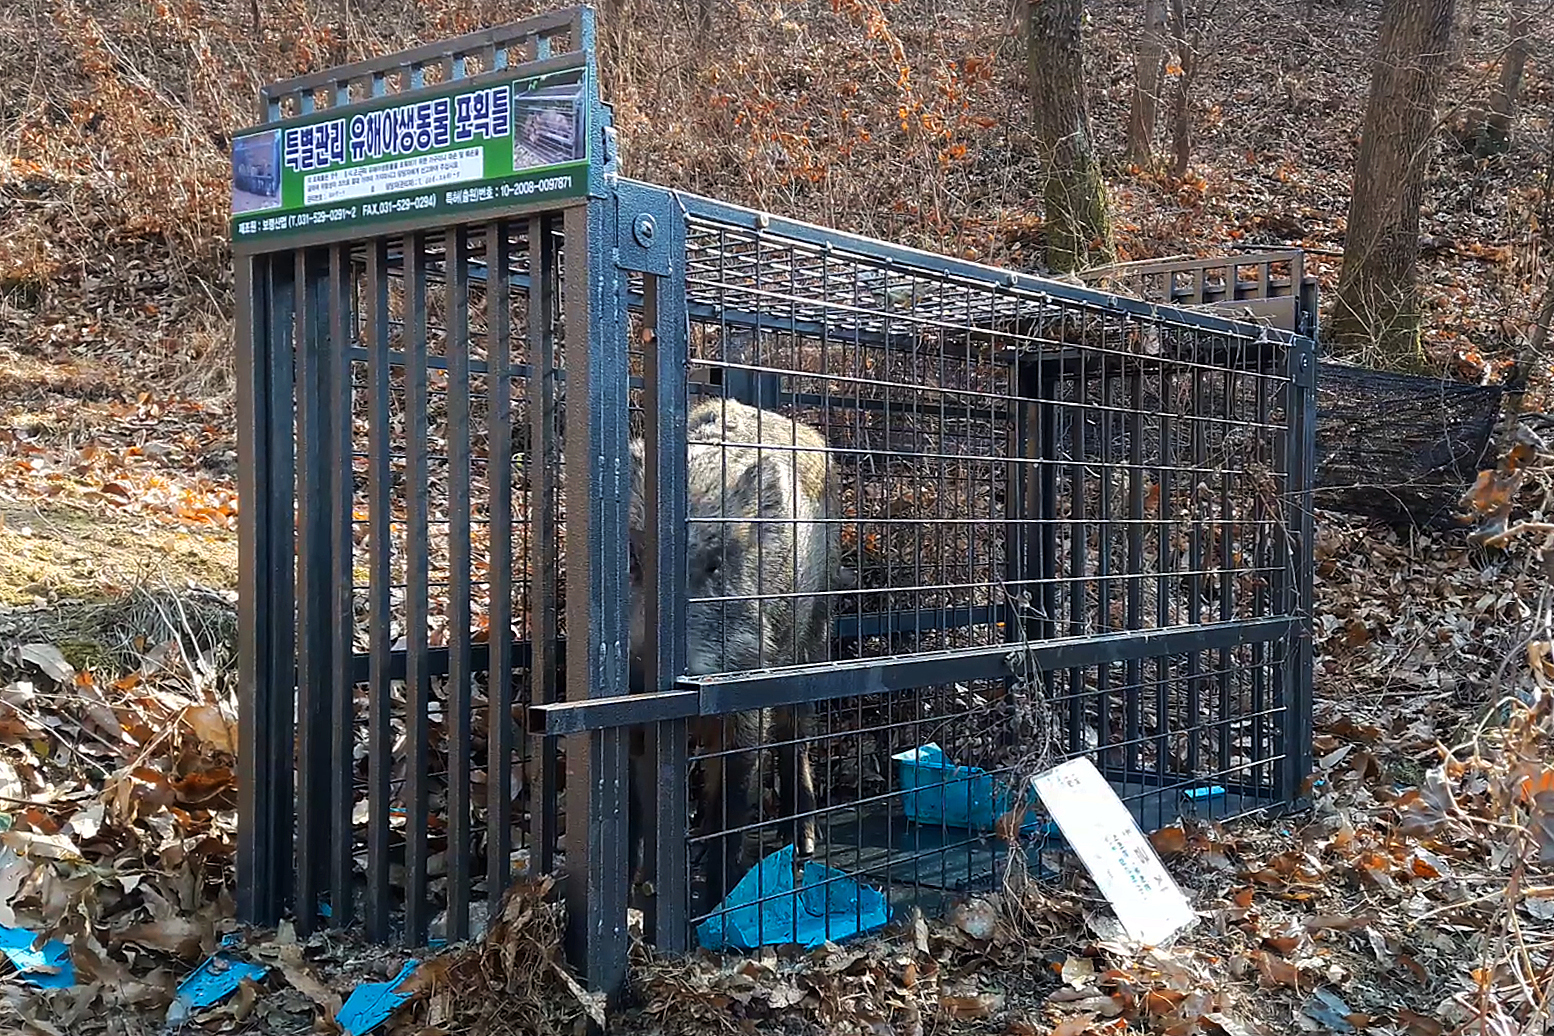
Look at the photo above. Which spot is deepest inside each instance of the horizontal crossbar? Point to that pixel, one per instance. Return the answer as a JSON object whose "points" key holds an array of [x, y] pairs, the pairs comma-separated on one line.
{"points": [[846, 628], [724, 694]]}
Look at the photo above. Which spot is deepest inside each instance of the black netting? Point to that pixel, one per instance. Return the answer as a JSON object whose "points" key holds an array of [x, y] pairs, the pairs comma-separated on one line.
{"points": [[1397, 447]]}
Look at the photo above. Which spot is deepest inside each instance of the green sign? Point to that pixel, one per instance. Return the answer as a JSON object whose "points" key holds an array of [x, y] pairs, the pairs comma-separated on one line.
{"points": [[450, 151]]}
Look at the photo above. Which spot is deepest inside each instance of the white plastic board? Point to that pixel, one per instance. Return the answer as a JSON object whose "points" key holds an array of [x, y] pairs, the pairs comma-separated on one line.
{"points": [[1120, 860]]}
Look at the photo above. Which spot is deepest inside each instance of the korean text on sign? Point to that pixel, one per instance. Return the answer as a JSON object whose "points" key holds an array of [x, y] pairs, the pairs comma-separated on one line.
{"points": [[484, 113], [405, 130], [305, 148]]}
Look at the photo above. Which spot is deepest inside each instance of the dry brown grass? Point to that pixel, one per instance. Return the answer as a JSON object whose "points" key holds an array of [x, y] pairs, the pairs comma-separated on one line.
{"points": [[66, 553]]}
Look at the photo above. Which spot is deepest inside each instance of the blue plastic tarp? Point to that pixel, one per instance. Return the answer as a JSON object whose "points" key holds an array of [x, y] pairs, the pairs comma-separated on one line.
{"points": [[211, 983], [47, 968], [939, 792], [371, 1003], [766, 909]]}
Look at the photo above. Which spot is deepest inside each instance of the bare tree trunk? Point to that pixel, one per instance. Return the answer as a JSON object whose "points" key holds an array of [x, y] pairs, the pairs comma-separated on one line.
{"points": [[1502, 102], [1187, 57], [1077, 225], [1148, 63], [1377, 298]]}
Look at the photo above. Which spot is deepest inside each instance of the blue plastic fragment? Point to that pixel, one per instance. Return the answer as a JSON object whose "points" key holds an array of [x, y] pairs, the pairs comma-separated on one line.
{"points": [[939, 792], [212, 982], [765, 908], [1213, 791], [48, 968], [371, 1003], [1328, 1011]]}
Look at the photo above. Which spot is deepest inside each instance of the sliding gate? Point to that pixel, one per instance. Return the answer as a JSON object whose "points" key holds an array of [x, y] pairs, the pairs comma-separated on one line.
{"points": [[1062, 523]]}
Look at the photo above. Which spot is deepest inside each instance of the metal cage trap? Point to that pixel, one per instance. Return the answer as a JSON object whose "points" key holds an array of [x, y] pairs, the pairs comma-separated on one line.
{"points": [[582, 515]]}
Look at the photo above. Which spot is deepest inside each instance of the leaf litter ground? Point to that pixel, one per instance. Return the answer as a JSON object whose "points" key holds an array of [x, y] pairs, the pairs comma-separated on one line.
{"points": [[1407, 900]]}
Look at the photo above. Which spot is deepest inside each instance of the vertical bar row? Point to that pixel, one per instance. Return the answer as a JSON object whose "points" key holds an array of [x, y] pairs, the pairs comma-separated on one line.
{"points": [[1047, 476], [1108, 432], [314, 605], [281, 520], [1282, 528], [456, 257], [1262, 655], [1303, 423], [665, 360], [1028, 425], [1226, 575], [1015, 531], [1164, 569], [341, 621], [258, 805], [596, 473], [541, 464], [1195, 562], [499, 474], [1078, 551], [417, 678], [1134, 692], [380, 742]]}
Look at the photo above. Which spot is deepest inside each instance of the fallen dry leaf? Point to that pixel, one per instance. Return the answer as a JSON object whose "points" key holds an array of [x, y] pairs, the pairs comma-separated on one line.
{"points": [[977, 918], [1078, 972], [1169, 841], [40, 846], [971, 1008], [593, 1003], [182, 937], [1073, 1026], [211, 727], [50, 659], [1418, 1024], [1277, 971], [299, 975], [1335, 923]]}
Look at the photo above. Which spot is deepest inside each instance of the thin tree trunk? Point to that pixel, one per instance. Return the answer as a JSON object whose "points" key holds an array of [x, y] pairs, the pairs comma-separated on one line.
{"points": [[1148, 64], [1377, 297], [1502, 102], [1078, 228], [1187, 57]]}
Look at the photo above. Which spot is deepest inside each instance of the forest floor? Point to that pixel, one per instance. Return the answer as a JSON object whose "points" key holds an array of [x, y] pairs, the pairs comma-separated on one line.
{"points": [[1410, 899]]}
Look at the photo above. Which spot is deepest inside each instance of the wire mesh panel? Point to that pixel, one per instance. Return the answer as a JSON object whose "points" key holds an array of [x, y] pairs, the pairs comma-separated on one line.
{"points": [[932, 483]]}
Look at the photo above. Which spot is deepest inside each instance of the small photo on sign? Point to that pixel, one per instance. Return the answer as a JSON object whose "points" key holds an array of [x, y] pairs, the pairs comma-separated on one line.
{"points": [[256, 172], [548, 123]]}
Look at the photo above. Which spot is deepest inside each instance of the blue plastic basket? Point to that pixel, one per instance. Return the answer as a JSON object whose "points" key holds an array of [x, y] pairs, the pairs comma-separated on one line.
{"points": [[939, 793]]}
